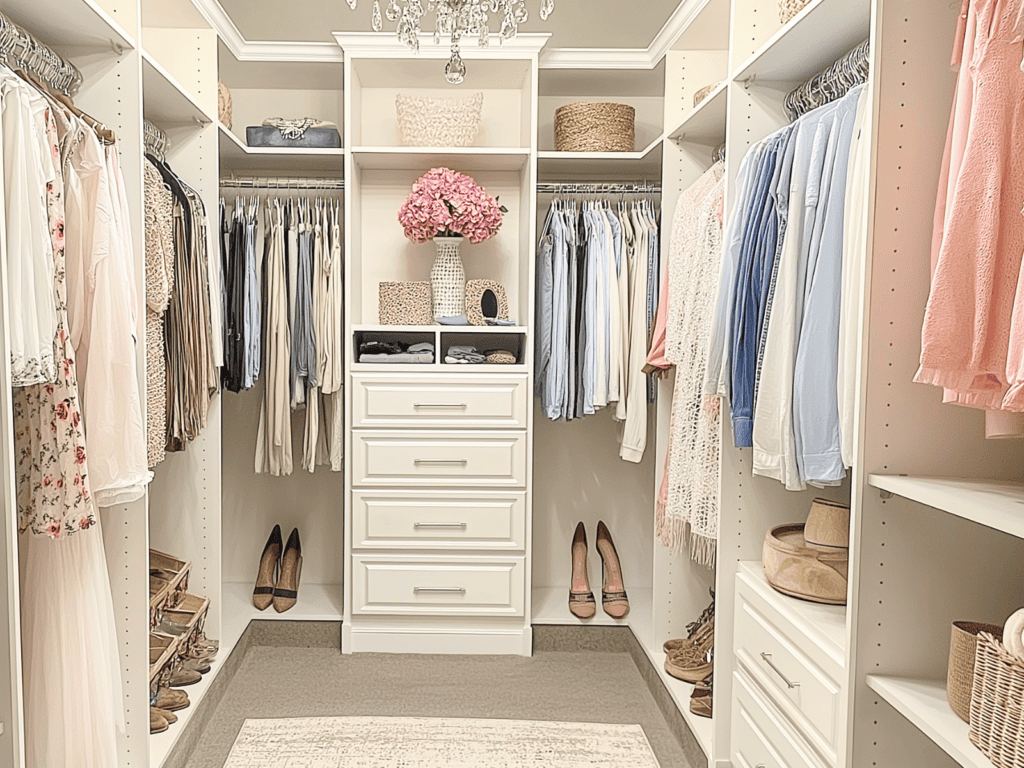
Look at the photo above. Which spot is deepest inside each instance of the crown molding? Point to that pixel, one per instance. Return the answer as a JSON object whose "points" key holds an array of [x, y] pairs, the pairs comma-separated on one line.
{"points": [[550, 58]]}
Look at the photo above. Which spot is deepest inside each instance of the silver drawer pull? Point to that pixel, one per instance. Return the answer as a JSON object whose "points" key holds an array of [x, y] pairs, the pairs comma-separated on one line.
{"points": [[454, 406], [768, 660], [451, 590], [439, 525], [441, 461]]}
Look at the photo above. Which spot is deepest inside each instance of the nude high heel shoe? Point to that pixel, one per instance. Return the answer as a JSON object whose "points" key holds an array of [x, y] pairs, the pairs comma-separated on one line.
{"points": [[581, 598], [613, 593], [286, 593], [266, 579]]}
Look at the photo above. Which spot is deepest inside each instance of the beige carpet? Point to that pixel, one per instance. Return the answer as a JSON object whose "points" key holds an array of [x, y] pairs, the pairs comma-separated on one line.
{"points": [[404, 742]]}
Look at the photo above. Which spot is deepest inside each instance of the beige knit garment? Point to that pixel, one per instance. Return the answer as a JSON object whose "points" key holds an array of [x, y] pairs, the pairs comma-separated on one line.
{"points": [[159, 279], [695, 261]]}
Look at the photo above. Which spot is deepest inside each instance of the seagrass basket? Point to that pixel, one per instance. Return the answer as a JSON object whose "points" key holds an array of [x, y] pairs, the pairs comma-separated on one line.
{"points": [[963, 648], [587, 127], [790, 8], [997, 704]]}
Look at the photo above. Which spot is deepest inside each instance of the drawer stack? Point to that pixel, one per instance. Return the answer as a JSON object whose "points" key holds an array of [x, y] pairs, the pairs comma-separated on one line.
{"points": [[439, 498], [788, 701]]}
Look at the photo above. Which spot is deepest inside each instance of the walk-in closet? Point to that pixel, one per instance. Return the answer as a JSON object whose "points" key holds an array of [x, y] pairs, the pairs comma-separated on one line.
{"points": [[583, 383]]}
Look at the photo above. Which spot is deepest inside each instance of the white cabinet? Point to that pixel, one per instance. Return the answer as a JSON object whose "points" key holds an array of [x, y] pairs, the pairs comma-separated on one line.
{"points": [[761, 735]]}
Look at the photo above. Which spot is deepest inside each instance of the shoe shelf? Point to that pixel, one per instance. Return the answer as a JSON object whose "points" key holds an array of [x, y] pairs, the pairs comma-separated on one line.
{"points": [[994, 504], [702, 727], [551, 607], [317, 602], [924, 703]]}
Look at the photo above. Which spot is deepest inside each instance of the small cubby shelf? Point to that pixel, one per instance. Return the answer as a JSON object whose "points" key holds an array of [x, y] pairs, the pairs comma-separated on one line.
{"points": [[706, 123], [463, 159], [601, 166]]}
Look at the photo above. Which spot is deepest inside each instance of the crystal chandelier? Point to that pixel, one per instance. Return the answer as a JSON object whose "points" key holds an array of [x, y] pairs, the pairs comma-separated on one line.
{"points": [[458, 18]]}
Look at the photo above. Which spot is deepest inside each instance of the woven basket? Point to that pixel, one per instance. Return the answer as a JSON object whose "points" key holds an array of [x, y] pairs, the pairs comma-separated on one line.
{"points": [[997, 705], [790, 8], [426, 121], [963, 647], [703, 93], [224, 104], [587, 127]]}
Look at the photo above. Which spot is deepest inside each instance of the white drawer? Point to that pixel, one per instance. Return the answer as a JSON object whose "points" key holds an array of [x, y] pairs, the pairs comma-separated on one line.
{"points": [[761, 736], [430, 520], [418, 459], [382, 400], [798, 676], [437, 586]]}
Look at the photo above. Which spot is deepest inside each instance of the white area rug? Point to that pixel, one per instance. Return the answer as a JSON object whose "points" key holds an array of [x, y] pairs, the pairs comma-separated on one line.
{"points": [[403, 742]]}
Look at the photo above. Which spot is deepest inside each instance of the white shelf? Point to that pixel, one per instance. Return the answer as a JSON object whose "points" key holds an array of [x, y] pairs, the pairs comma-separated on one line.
{"points": [[551, 608], [992, 503], [811, 41], [702, 727], [72, 26], [317, 602], [457, 158], [470, 368], [825, 624], [707, 122], [924, 703], [236, 156], [165, 103], [602, 166]]}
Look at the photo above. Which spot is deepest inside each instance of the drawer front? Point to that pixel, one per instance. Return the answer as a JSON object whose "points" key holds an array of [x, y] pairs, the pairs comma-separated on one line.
{"points": [[439, 520], [418, 459], [761, 737], [771, 650], [410, 586], [392, 401]]}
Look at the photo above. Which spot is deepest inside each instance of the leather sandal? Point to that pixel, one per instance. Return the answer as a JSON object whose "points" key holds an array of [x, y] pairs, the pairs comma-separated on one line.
{"points": [[690, 664], [286, 593], [171, 699], [581, 604], [157, 723], [266, 578], [702, 700], [694, 628], [614, 601], [166, 714]]}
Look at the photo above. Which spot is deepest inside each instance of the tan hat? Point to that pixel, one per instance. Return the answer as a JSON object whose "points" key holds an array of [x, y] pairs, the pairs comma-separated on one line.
{"points": [[828, 524]]}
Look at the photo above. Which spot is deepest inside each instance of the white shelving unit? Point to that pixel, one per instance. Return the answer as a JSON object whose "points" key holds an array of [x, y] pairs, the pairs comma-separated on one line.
{"points": [[924, 703], [463, 159], [236, 157], [584, 166], [167, 103], [706, 124]]}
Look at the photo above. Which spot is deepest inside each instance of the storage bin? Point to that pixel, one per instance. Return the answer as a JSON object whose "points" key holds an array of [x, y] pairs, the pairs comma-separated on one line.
{"points": [[587, 127]]}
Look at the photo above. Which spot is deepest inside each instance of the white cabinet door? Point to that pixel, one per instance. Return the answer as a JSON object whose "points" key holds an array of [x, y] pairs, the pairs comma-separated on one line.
{"points": [[761, 736]]}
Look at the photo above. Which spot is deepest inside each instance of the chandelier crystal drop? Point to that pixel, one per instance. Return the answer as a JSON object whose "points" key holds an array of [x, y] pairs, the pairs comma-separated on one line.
{"points": [[457, 19]]}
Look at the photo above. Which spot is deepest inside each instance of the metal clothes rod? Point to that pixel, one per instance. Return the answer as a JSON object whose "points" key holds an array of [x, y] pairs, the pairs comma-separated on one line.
{"points": [[545, 188], [270, 182], [20, 50]]}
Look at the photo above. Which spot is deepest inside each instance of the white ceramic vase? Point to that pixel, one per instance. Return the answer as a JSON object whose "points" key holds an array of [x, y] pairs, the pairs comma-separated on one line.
{"points": [[448, 279]]}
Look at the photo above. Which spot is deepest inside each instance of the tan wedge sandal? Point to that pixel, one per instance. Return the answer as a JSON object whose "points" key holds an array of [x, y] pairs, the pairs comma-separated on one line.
{"points": [[581, 597], [286, 593], [613, 592], [266, 579]]}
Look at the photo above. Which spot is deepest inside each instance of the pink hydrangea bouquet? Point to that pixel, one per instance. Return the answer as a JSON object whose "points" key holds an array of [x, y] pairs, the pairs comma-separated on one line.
{"points": [[445, 203]]}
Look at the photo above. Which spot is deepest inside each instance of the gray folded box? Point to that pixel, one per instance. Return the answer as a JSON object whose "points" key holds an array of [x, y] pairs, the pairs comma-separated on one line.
{"points": [[312, 138]]}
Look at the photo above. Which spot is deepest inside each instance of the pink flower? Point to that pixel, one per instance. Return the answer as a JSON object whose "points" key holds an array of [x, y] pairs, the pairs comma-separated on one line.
{"points": [[62, 410], [53, 529], [79, 455], [85, 523], [449, 204]]}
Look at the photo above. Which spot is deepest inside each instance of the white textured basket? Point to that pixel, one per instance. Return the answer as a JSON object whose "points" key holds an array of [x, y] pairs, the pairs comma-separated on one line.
{"points": [[426, 121]]}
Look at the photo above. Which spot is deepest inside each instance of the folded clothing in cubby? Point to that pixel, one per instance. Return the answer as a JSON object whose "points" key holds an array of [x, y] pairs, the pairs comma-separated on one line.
{"points": [[463, 355], [396, 352]]}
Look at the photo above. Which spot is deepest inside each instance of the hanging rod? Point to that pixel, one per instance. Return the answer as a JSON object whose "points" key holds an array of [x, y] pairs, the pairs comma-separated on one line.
{"points": [[832, 83], [154, 140], [280, 182], [562, 188], [20, 50]]}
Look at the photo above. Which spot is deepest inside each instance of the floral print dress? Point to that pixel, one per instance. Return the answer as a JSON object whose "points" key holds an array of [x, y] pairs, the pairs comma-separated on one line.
{"points": [[53, 486]]}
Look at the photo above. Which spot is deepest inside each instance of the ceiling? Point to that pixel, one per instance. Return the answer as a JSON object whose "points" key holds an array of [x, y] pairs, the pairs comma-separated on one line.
{"points": [[574, 24]]}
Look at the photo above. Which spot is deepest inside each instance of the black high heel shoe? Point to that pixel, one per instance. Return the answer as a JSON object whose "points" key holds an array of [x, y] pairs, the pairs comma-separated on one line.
{"points": [[266, 579]]}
